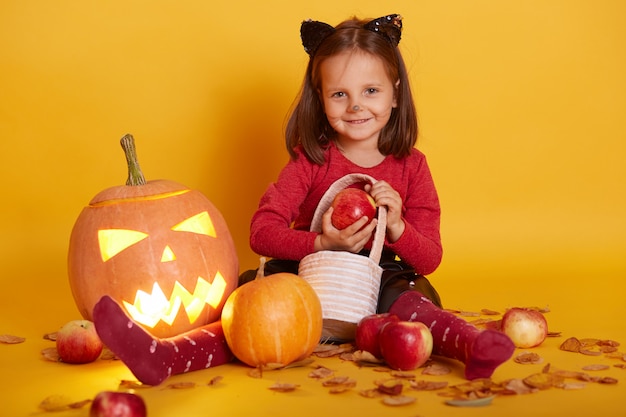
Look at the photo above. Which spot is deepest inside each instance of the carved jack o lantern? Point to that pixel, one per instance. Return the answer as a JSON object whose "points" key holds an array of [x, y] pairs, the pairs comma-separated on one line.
{"points": [[160, 249]]}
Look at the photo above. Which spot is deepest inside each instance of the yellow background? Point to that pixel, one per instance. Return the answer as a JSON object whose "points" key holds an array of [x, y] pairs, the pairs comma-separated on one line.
{"points": [[521, 107]]}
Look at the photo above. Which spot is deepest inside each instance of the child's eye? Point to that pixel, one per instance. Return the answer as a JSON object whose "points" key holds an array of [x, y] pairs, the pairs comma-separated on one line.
{"points": [[371, 91], [338, 94]]}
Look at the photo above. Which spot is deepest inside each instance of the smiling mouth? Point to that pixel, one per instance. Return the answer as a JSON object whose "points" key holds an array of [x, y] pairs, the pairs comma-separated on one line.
{"points": [[357, 122]]}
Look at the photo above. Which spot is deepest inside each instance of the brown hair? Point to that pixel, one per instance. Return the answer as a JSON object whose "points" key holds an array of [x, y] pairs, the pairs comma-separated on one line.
{"points": [[308, 125]]}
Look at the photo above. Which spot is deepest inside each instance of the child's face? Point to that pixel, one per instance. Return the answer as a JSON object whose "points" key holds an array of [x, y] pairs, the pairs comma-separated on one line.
{"points": [[357, 94]]}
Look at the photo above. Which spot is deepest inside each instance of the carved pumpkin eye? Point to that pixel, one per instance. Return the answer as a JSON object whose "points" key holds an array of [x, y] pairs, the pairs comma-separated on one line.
{"points": [[200, 223], [113, 241]]}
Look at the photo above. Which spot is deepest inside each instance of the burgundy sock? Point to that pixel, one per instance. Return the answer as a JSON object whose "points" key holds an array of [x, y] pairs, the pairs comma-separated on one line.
{"points": [[153, 360], [482, 351]]}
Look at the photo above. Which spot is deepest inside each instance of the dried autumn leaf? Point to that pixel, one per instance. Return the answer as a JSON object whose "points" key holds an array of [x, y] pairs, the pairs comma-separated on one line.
{"points": [[487, 312], [589, 341], [298, 364], [339, 381], [215, 380], [543, 380], [60, 403], [50, 336], [391, 386], [553, 334], [399, 400], [10, 339], [364, 357], [256, 372], [180, 385], [519, 387], [51, 354], [339, 389], [131, 384], [370, 393], [595, 367], [423, 385], [590, 352], [283, 387], [571, 344], [528, 358], [332, 350], [608, 349], [436, 369], [608, 380], [321, 372], [611, 343], [474, 402], [402, 374], [620, 365], [572, 385], [469, 314], [108, 355]]}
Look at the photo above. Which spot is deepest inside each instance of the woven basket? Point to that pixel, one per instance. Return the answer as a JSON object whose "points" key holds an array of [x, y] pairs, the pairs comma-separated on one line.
{"points": [[346, 283]]}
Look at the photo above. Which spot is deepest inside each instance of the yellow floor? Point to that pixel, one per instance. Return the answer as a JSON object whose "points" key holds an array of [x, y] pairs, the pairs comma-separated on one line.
{"points": [[28, 379]]}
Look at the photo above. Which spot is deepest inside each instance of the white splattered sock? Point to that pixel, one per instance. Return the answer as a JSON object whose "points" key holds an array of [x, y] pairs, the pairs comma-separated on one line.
{"points": [[482, 351], [152, 360]]}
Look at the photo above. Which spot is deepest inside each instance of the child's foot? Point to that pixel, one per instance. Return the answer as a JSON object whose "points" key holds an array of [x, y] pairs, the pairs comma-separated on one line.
{"points": [[482, 351], [148, 358], [489, 350]]}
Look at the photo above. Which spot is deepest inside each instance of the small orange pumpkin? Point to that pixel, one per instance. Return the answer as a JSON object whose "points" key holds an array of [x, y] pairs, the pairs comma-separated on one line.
{"points": [[160, 249], [275, 319]]}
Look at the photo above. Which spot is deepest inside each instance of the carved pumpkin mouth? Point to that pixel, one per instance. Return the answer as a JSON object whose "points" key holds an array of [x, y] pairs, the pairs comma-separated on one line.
{"points": [[150, 308]]}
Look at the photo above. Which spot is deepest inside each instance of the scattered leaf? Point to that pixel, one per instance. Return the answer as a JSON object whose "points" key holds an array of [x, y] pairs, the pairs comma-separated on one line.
{"points": [[343, 381], [519, 387], [476, 402], [528, 358], [215, 380], [180, 385], [363, 357], [399, 400], [321, 372], [60, 403], [284, 387], [390, 386], [423, 385], [571, 345], [51, 354], [543, 380], [50, 336], [595, 367], [10, 339], [487, 312], [436, 369], [131, 384]]}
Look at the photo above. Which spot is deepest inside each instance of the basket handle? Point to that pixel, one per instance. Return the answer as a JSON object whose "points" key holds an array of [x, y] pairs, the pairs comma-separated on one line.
{"points": [[327, 200]]}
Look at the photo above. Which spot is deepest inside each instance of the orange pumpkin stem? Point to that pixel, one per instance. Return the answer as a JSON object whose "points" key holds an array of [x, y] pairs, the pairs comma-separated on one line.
{"points": [[260, 273], [135, 176]]}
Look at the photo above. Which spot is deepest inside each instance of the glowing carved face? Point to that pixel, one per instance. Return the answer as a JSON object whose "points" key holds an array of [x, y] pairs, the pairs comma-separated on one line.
{"points": [[169, 261], [149, 308]]}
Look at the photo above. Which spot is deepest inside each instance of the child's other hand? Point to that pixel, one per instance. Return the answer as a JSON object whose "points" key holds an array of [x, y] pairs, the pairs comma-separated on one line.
{"points": [[351, 239], [385, 195]]}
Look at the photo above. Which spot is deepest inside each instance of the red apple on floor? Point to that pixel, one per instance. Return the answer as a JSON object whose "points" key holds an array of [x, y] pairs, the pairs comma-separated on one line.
{"points": [[526, 327], [349, 205], [78, 342], [368, 331], [117, 404], [405, 345]]}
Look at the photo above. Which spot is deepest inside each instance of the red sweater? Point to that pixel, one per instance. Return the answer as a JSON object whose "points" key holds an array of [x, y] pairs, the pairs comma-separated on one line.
{"points": [[280, 226]]}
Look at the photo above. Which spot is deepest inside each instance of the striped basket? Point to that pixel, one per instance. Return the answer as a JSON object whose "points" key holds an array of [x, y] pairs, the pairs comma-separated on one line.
{"points": [[346, 283]]}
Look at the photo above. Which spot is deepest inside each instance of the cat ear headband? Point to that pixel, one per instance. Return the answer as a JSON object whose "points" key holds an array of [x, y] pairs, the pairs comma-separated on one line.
{"points": [[313, 32]]}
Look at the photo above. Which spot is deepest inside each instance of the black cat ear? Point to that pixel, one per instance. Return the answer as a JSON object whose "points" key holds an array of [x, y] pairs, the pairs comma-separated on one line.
{"points": [[313, 34], [389, 26]]}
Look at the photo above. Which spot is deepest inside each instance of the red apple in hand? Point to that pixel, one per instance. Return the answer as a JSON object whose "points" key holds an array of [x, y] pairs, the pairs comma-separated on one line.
{"points": [[117, 404], [526, 327], [349, 205], [405, 345], [78, 342], [368, 331]]}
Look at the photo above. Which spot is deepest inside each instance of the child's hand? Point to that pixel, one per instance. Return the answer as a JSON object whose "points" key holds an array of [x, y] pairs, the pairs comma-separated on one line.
{"points": [[385, 195], [351, 239]]}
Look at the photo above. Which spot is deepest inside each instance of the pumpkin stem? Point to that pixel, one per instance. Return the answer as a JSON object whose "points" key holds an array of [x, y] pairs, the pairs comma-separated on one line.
{"points": [[135, 176], [260, 273]]}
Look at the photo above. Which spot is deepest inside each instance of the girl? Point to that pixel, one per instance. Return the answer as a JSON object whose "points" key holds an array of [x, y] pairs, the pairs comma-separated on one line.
{"points": [[355, 114]]}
